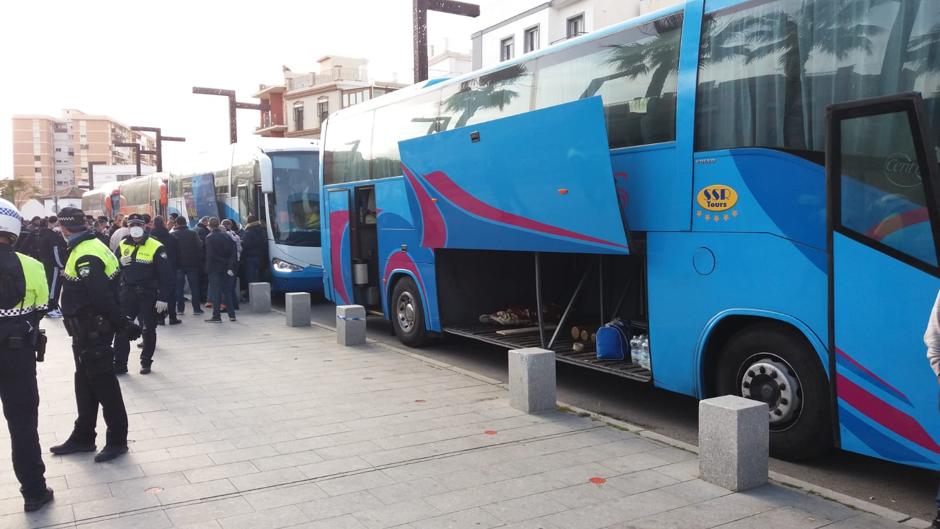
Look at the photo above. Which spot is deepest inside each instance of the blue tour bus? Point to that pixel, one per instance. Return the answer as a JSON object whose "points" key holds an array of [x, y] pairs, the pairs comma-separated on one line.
{"points": [[274, 179], [752, 185]]}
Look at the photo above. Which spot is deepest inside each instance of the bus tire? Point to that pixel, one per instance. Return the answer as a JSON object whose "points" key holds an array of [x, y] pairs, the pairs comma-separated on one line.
{"points": [[771, 363], [407, 313]]}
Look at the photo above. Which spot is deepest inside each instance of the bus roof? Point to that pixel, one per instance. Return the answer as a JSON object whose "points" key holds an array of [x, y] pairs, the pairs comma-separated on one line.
{"points": [[415, 89]]}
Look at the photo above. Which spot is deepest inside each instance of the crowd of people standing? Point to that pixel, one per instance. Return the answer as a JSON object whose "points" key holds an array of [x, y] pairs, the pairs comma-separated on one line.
{"points": [[209, 266]]}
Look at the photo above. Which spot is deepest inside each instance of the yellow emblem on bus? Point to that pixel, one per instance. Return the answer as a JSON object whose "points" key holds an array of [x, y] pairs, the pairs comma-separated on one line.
{"points": [[717, 198]]}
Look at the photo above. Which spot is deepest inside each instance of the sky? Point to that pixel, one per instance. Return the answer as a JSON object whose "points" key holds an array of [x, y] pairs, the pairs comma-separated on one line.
{"points": [[138, 61]]}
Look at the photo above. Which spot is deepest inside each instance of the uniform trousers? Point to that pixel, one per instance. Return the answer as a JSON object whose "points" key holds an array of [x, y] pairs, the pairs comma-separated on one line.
{"points": [[137, 303], [96, 383], [20, 396]]}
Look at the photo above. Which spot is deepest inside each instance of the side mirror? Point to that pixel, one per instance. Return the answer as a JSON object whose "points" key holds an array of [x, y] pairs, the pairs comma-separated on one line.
{"points": [[267, 173]]}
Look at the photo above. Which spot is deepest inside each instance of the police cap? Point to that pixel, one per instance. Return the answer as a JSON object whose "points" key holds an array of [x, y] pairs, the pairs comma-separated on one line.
{"points": [[136, 219], [72, 218]]}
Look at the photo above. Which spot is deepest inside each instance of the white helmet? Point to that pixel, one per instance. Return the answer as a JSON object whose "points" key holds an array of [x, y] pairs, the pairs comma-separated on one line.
{"points": [[10, 219]]}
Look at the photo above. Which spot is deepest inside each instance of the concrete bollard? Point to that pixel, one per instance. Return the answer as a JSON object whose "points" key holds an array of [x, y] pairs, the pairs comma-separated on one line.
{"points": [[259, 297], [532, 379], [298, 309], [350, 324], [733, 440]]}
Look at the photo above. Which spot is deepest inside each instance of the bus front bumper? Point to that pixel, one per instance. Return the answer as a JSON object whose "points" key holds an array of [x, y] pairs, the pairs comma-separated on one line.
{"points": [[310, 279]]}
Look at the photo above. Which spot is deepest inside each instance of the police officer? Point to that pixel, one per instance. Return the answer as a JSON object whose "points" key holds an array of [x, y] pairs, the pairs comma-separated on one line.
{"points": [[147, 287], [24, 294], [92, 316]]}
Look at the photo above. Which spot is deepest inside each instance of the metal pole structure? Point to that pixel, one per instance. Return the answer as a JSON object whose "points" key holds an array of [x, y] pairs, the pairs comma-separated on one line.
{"points": [[91, 173], [233, 105], [136, 147], [420, 10], [160, 138]]}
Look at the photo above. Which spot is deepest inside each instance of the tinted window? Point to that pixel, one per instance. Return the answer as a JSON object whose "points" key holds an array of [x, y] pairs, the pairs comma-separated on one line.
{"points": [[634, 71], [883, 197], [348, 149], [770, 68], [296, 200], [402, 121], [495, 95]]}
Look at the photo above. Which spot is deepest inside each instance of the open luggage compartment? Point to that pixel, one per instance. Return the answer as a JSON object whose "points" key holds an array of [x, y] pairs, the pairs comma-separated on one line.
{"points": [[572, 289]]}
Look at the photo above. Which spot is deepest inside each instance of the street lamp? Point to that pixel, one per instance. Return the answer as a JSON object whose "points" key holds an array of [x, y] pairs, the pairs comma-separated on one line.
{"points": [[264, 106], [420, 15], [159, 141]]}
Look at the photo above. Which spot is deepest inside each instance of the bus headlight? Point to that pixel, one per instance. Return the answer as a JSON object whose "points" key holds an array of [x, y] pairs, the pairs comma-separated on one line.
{"points": [[283, 266]]}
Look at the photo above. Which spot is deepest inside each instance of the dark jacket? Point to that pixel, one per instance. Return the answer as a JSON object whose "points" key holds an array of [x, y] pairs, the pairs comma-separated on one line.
{"points": [[202, 231], [12, 292], [155, 274], [220, 252], [92, 292], [170, 243], [189, 246], [255, 241], [48, 243]]}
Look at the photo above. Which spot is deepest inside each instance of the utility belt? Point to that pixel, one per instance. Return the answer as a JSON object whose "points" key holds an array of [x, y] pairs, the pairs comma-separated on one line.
{"points": [[35, 341], [139, 288], [88, 328]]}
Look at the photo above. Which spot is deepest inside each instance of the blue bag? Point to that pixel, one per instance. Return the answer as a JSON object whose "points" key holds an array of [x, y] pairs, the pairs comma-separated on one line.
{"points": [[613, 340]]}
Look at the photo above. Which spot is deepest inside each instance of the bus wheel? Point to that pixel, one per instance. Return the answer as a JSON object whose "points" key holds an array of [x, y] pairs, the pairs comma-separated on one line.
{"points": [[408, 313], [769, 363]]}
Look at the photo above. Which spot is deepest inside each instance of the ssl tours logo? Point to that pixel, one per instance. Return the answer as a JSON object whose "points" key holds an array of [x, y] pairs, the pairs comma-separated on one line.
{"points": [[717, 202]]}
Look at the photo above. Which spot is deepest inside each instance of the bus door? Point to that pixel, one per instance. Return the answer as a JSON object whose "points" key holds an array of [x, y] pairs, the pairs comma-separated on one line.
{"points": [[364, 247], [883, 278], [337, 270], [243, 206]]}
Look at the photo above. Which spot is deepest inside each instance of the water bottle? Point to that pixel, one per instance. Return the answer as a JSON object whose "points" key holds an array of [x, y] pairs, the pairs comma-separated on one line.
{"points": [[635, 350]]}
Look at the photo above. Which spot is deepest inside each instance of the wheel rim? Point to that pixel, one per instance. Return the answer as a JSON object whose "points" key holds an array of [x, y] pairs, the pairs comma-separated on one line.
{"points": [[768, 378], [406, 312]]}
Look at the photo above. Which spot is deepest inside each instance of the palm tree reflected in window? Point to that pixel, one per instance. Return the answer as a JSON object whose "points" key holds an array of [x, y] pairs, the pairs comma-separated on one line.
{"points": [[498, 94]]}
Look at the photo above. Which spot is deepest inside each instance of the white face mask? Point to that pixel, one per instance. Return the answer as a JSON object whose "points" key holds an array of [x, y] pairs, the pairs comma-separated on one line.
{"points": [[137, 232]]}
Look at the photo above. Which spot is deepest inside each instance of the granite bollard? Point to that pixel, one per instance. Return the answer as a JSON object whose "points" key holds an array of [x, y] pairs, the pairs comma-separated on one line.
{"points": [[350, 324], [259, 297], [532, 379], [297, 305], [733, 440]]}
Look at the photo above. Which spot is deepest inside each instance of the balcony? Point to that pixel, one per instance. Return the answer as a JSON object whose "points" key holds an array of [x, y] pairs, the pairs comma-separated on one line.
{"points": [[330, 76]]}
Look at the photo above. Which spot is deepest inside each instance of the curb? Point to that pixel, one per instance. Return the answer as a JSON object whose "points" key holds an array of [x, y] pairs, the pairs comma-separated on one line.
{"points": [[776, 477]]}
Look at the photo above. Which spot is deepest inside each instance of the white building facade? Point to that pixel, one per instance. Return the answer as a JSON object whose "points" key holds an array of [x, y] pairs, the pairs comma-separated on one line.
{"points": [[547, 23]]}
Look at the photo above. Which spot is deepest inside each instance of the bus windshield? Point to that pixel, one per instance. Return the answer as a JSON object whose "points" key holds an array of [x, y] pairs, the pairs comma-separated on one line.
{"points": [[295, 204]]}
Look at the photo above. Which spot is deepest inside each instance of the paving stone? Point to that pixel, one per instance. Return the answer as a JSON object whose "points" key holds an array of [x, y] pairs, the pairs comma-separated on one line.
{"points": [[287, 495], [347, 521], [276, 518], [220, 471], [147, 520], [524, 508], [782, 518], [207, 511], [354, 483], [195, 491], [340, 505], [105, 506], [409, 490], [267, 479], [396, 514]]}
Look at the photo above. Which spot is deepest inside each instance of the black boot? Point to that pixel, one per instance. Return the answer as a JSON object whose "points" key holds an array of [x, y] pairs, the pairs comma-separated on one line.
{"points": [[175, 321], [34, 504], [936, 521], [110, 452], [71, 447]]}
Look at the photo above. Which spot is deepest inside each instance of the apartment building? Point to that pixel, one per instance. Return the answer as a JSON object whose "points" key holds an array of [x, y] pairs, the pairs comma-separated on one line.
{"points": [[302, 103], [53, 153], [547, 23]]}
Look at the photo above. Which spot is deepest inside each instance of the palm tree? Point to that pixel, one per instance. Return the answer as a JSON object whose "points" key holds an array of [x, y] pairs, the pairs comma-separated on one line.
{"points": [[659, 55], [490, 93]]}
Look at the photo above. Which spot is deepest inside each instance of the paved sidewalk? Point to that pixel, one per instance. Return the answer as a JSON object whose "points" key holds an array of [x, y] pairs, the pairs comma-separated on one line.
{"points": [[257, 425]]}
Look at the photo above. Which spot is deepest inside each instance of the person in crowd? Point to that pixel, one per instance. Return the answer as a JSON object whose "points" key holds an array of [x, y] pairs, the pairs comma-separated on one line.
{"points": [[147, 288], [52, 251], [202, 230], [189, 267], [230, 227], [102, 227], [118, 235], [22, 303], [254, 249], [220, 265], [160, 233], [172, 220], [117, 224], [932, 340], [92, 316]]}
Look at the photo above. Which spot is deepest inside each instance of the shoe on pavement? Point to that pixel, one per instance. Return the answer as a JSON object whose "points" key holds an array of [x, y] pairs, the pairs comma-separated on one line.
{"points": [[140, 345], [145, 370], [54, 314], [231, 317], [34, 504], [198, 312], [209, 305], [214, 320], [71, 447], [176, 321], [120, 370], [110, 452]]}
